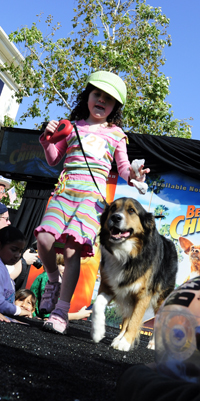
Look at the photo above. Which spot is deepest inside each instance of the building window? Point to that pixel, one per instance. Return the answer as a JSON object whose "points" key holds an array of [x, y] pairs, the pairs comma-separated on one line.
{"points": [[1, 86]]}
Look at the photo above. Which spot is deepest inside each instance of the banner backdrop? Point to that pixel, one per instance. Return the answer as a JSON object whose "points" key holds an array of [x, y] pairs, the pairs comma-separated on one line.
{"points": [[176, 198]]}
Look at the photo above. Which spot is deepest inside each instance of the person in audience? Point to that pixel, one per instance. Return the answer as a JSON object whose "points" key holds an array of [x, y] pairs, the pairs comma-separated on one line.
{"points": [[12, 243], [19, 271], [26, 300], [4, 216]]}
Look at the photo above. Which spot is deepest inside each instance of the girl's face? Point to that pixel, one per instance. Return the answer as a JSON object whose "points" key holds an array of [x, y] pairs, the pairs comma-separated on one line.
{"points": [[11, 253], [25, 304], [100, 105], [61, 269]]}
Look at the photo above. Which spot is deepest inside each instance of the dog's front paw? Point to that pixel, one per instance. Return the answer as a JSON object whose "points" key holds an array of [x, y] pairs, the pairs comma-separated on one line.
{"points": [[98, 319], [121, 344], [151, 344], [97, 331]]}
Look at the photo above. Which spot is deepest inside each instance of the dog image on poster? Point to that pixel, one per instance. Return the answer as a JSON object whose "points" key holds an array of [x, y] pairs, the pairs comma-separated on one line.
{"points": [[138, 269], [193, 251]]}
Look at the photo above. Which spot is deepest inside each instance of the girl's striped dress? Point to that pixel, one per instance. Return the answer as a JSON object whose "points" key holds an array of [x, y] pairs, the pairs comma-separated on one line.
{"points": [[76, 205]]}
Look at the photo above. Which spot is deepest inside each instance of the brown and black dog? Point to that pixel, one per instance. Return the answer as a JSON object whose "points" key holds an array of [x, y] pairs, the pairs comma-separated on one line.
{"points": [[138, 269]]}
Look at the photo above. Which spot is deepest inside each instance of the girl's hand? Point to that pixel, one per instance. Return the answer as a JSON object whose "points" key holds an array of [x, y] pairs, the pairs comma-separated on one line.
{"points": [[25, 313], [83, 313], [142, 173], [4, 318], [50, 128]]}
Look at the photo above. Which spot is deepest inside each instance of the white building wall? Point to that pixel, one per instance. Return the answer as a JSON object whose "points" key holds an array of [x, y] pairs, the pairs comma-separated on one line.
{"points": [[8, 53], [8, 104]]}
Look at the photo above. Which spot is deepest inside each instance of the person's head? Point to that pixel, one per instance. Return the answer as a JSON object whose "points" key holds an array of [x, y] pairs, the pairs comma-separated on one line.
{"points": [[105, 86], [60, 263], [26, 299], [12, 243], [2, 190], [4, 184], [4, 216]]}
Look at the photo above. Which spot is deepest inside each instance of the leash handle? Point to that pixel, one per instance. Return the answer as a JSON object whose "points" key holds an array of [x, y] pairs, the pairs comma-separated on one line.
{"points": [[81, 146]]}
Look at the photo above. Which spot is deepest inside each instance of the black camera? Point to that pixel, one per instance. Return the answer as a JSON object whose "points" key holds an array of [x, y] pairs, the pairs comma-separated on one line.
{"points": [[38, 263]]}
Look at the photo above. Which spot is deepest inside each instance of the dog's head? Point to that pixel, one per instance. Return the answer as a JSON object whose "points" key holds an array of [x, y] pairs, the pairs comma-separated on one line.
{"points": [[122, 220]]}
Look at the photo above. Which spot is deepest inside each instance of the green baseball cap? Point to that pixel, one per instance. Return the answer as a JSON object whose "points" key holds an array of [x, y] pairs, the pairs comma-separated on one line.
{"points": [[109, 83]]}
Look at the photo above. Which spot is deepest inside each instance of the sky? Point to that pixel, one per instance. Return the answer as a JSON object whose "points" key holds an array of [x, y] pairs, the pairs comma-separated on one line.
{"points": [[182, 58]]}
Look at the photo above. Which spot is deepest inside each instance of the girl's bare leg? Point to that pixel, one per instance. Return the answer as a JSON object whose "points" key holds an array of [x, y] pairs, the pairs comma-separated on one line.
{"points": [[72, 255], [46, 251], [58, 320]]}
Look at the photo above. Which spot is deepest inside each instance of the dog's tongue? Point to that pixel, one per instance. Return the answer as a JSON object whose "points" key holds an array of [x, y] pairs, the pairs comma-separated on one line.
{"points": [[121, 235]]}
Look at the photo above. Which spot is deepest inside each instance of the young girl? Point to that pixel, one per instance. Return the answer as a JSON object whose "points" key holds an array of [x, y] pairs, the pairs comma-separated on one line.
{"points": [[26, 300], [72, 218], [12, 243]]}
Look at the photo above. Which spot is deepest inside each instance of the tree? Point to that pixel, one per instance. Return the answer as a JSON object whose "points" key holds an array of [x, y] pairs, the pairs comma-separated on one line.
{"points": [[20, 187], [161, 210], [165, 230], [125, 37]]}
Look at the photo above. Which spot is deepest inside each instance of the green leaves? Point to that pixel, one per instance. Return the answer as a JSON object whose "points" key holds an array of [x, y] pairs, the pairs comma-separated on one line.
{"points": [[126, 37]]}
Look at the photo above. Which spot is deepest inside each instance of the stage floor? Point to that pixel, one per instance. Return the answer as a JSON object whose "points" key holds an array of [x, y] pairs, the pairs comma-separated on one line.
{"points": [[37, 365]]}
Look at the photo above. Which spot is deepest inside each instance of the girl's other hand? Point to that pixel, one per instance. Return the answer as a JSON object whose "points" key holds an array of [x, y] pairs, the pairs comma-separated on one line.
{"points": [[4, 318], [142, 173], [83, 313], [50, 128]]}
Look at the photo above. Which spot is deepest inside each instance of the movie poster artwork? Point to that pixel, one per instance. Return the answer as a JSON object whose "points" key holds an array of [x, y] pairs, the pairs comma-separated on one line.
{"points": [[176, 199]]}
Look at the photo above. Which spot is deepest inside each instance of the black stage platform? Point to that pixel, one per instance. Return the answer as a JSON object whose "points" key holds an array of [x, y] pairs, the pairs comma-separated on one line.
{"points": [[38, 365]]}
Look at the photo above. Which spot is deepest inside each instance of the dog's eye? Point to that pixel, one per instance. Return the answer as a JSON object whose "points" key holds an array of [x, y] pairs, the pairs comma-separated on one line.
{"points": [[131, 210], [113, 208]]}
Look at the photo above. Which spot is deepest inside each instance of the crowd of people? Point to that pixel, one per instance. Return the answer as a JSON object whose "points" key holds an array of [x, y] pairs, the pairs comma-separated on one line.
{"points": [[14, 298]]}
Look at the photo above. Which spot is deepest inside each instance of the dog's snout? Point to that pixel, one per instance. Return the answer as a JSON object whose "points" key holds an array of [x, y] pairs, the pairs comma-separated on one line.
{"points": [[116, 218]]}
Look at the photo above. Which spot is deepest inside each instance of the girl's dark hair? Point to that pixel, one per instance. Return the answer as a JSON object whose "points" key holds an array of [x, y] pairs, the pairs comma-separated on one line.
{"points": [[60, 259], [81, 111], [23, 293], [10, 234]]}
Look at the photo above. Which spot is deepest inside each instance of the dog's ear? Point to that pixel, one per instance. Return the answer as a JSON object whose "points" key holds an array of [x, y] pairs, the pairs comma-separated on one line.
{"points": [[104, 215], [103, 231], [148, 222], [185, 244]]}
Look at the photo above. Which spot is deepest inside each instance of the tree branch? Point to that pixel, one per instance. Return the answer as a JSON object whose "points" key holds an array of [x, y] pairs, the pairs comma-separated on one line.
{"points": [[43, 66], [101, 18]]}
